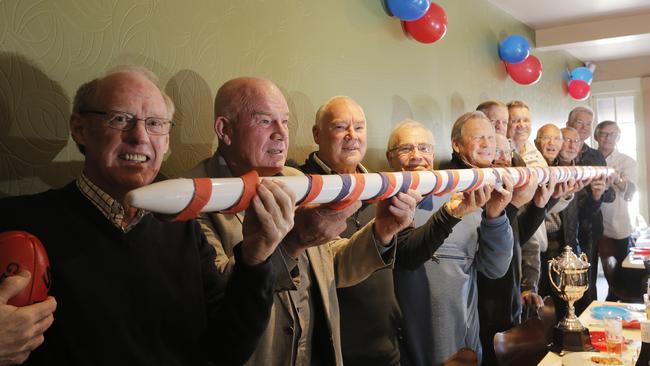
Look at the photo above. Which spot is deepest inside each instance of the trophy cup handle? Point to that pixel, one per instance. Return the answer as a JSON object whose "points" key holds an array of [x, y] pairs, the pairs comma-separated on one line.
{"points": [[550, 276]]}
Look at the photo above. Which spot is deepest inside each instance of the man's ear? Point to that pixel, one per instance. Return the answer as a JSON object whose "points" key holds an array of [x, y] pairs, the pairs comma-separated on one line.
{"points": [[456, 146], [78, 129], [223, 129], [315, 131]]}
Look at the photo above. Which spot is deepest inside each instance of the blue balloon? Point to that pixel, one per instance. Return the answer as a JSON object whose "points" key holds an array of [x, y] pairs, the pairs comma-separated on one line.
{"points": [[408, 9], [514, 49], [582, 73]]}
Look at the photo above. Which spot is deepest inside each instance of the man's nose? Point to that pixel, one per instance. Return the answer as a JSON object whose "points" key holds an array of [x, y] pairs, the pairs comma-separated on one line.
{"points": [[280, 131]]}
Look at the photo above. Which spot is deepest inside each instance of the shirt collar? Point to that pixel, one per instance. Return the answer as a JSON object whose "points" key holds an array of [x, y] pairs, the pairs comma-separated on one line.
{"points": [[328, 170], [107, 205]]}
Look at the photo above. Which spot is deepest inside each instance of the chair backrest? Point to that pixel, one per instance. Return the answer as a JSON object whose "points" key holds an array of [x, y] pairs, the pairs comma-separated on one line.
{"points": [[526, 344]]}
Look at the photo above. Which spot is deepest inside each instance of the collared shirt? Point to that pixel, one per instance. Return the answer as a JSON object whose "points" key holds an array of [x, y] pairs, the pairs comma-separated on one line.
{"points": [[108, 206], [531, 156], [616, 218], [328, 170]]}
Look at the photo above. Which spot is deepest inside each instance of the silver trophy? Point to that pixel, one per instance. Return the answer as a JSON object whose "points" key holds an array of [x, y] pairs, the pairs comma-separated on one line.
{"points": [[569, 276]]}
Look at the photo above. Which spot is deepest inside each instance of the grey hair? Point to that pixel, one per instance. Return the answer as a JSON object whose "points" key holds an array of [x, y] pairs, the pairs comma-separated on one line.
{"points": [[323, 108], [457, 129], [580, 109], [604, 124], [406, 123]]}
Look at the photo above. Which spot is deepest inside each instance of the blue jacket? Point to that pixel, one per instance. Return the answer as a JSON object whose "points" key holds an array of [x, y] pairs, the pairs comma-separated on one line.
{"points": [[439, 298]]}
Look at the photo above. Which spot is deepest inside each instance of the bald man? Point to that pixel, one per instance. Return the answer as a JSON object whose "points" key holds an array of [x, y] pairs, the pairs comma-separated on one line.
{"points": [[549, 142], [340, 132], [133, 289], [251, 123]]}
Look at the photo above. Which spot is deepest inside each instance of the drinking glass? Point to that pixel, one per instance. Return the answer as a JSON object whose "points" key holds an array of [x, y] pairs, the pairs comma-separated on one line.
{"points": [[614, 334]]}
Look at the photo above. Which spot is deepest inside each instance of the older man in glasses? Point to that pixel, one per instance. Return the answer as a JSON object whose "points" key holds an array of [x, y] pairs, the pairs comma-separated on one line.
{"points": [[132, 289], [617, 224], [446, 319]]}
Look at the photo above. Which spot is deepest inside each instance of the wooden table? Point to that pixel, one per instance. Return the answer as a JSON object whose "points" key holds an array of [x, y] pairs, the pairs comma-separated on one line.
{"points": [[629, 355]]}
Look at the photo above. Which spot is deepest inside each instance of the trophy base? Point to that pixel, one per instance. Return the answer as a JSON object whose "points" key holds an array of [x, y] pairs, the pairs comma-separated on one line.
{"points": [[570, 340]]}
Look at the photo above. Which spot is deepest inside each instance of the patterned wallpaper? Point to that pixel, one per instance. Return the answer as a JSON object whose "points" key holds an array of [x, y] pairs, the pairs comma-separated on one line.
{"points": [[311, 49]]}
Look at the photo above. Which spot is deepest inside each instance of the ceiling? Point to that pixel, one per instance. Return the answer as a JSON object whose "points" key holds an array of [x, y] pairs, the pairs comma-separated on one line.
{"points": [[600, 31]]}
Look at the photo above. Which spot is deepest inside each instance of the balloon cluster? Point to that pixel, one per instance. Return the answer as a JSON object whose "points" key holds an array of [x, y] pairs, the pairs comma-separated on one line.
{"points": [[579, 83], [522, 67], [424, 21]]}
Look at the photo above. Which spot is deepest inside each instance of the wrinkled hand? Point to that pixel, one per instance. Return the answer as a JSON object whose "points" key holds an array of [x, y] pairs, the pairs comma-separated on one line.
{"points": [[544, 192], [501, 196], [581, 184], [523, 194], [395, 214], [598, 187], [531, 300], [21, 329], [564, 188], [268, 219], [316, 225], [463, 203]]}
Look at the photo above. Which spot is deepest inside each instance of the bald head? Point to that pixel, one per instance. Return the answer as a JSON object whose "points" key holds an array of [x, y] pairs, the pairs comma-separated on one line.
{"points": [[239, 94], [549, 142], [252, 124], [340, 132]]}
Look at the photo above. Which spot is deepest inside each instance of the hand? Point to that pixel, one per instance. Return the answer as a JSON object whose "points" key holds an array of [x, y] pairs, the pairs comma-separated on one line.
{"points": [[523, 194], [268, 219], [316, 225], [463, 203], [395, 214], [531, 300], [598, 187], [544, 192], [21, 329], [501, 196], [564, 188], [581, 184]]}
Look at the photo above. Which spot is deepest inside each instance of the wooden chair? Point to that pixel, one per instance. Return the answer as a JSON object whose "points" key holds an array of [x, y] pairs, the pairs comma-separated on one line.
{"points": [[526, 344], [464, 357]]}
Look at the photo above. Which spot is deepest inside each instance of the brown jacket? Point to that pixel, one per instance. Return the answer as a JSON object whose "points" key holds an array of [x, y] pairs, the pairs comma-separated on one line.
{"points": [[339, 263]]}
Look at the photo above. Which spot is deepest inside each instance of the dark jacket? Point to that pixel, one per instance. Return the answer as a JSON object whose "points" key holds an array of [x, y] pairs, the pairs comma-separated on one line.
{"points": [[150, 296]]}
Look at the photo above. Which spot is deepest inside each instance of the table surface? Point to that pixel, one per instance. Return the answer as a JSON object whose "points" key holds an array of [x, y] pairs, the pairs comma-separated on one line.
{"points": [[553, 359]]}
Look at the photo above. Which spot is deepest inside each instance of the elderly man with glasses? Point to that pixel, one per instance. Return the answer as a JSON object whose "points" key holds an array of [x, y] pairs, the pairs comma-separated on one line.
{"points": [[438, 295], [133, 289], [590, 227], [617, 224]]}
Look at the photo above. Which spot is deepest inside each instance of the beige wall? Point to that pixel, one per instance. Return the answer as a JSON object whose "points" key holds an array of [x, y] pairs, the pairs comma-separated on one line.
{"points": [[311, 49]]}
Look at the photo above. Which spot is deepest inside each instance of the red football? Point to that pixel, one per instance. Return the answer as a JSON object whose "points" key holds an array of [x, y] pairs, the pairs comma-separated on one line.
{"points": [[19, 251]]}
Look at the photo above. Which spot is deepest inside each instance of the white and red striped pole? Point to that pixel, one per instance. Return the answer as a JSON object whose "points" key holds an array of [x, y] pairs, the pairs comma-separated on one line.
{"points": [[186, 198]]}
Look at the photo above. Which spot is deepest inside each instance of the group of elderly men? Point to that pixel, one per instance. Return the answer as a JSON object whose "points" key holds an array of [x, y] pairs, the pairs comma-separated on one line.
{"points": [[408, 280]]}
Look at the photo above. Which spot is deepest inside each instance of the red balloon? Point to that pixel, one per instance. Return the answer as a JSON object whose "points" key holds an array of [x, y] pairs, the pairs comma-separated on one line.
{"points": [[431, 27], [527, 72], [579, 89]]}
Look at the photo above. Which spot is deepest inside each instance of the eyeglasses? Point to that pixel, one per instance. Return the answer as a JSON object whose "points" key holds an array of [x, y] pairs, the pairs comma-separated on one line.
{"points": [[406, 149], [607, 135], [572, 141], [126, 121], [552, 138], [505, 153]]}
